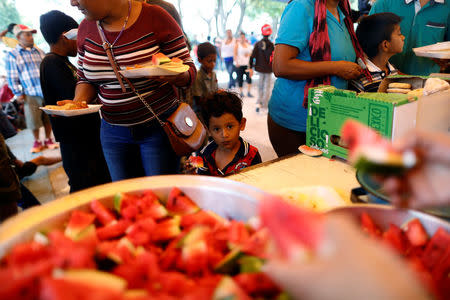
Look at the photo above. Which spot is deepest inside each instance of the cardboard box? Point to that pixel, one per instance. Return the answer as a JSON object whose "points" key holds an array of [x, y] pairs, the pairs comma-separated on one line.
{"points": [[329, 108], [433, 112]]}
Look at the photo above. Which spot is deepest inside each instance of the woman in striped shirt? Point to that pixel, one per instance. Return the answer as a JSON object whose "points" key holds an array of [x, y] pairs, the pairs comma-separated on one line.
{"points": [[133, 142]]}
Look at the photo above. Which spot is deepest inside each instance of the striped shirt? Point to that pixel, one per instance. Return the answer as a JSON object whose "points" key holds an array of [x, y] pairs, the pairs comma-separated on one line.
{"points": [[22, 69], [361, 84], [154, 31]]}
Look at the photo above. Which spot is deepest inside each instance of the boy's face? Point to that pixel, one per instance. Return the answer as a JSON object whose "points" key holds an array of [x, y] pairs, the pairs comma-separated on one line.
{"points": [[225, 130], [209, 62], [395, 45]]}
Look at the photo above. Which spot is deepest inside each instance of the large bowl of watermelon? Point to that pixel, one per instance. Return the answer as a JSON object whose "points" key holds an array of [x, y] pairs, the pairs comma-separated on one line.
{"points": [[139, 239]]}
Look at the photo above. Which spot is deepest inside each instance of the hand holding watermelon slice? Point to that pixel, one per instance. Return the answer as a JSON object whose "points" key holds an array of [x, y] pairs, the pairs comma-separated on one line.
{"points": [[427, 184], [372, 153], [344, 263]]}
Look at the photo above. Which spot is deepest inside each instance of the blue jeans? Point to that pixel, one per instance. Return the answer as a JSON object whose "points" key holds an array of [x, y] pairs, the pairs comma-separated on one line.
{"points": [[230, 69], [138, 151]]}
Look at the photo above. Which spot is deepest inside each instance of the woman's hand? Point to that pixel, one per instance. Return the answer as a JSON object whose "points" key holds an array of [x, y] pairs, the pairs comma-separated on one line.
{"points": [[179, 80], [346, 69], [350, 265]]}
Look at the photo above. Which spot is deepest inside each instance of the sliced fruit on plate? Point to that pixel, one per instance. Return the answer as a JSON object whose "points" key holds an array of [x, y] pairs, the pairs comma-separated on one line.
{"points": [[228, 289], [79, 220], [113, 230], [203, 217], [296, 231], [159, 59], [310, 151], [371, 153]]}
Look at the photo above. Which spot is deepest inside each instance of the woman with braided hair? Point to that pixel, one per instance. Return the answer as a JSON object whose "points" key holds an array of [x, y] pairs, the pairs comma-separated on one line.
{"points": [[316, 44]]}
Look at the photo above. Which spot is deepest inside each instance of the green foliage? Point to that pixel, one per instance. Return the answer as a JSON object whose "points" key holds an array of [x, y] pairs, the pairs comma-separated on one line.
{"points": [[273, 8], [8, 13]]}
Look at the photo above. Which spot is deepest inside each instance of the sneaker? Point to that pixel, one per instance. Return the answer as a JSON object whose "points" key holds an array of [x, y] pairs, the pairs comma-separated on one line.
{"points": [[249, 95], [49, 144], [37, 147], [257, 109]]}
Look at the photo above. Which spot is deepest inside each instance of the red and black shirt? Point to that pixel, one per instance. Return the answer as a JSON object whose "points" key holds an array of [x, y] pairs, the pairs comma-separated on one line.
{"points": [[246, 156]]}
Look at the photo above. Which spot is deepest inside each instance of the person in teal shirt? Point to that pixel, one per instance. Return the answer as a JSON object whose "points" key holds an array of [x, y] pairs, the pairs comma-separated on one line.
{"points": [[424, 22], [293, 66]]}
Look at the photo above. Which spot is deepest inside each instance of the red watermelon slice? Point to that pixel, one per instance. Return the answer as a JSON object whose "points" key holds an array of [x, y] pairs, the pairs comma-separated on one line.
{"points": [[179, 203], [372, 153], [79, 220]]}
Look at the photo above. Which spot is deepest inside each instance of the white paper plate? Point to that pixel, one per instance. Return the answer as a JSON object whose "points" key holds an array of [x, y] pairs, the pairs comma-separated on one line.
{"points": [[439, 50], [93, 108], [154, 71]]}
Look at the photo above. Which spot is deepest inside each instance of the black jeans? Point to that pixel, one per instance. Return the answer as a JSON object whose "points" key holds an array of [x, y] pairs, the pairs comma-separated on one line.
{"points": [[84, 164]]}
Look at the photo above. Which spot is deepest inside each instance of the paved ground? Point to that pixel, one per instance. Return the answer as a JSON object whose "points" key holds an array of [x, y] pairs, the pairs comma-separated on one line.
{"points": [[49, 183]]}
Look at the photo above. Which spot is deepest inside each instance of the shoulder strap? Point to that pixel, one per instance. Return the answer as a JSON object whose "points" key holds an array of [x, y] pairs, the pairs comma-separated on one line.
{"points": [[107, 47]]}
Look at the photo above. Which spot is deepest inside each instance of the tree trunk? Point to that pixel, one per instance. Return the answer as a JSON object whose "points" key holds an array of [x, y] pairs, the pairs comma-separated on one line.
{"points": [[243, 6], [275, 23]]}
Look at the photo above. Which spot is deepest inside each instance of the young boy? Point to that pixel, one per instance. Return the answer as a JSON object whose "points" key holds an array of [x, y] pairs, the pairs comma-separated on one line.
{"points": [[206, 81], [380, 38], [228, 153]]}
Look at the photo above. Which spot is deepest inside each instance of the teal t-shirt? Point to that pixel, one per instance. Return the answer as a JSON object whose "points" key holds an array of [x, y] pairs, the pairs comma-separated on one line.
{"points": [[429, 26], [286, 103]]}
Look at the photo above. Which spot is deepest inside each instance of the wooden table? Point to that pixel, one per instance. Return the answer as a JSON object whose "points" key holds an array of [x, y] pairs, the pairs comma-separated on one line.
{"points": [[300, 170]]}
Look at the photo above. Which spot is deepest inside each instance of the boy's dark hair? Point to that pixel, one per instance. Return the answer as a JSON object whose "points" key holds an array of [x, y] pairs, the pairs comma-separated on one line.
{"points": [[220, 103], [205, 49], [10, 27], [374, 29], [54, 23]]}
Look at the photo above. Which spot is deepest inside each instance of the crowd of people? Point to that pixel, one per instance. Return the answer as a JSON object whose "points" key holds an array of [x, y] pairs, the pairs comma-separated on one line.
{"points": [[316, 44]]}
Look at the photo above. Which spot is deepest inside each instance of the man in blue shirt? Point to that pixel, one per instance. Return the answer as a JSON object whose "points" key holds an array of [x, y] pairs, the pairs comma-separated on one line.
{"points": [[22, 67], [424, 22]]}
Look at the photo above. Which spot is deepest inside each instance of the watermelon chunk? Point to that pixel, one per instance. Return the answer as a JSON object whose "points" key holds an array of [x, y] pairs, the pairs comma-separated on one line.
{"points": [[292, 228], [238, 234], [257, 284], [159, 59], [104, 215], [194, 251], [27, 253], [114, 229], [395, 238], [166, 230], [62, 289], [203, 217], [436, 248], [369, 225], [415, 233], [179, 203], [140, 271], [79, 220], [196, 161], [229, 289]]}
